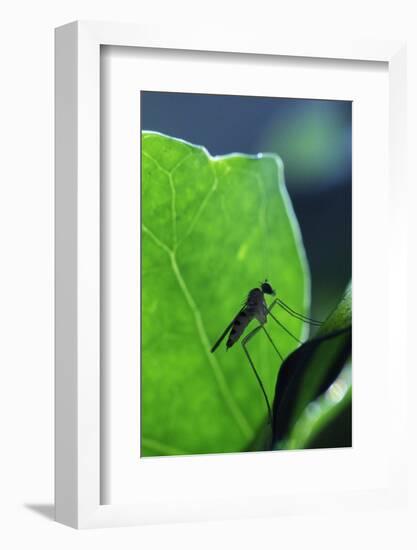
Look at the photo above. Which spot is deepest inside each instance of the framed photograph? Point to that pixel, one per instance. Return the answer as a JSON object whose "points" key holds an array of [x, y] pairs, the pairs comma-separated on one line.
{"points": [[229, 316]]}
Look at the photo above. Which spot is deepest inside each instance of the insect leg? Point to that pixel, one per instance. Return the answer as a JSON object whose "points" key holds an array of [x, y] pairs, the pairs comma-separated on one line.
{"points": [[272, 342], [275, 302], [244, 342], [293, 313], [297, 315]]}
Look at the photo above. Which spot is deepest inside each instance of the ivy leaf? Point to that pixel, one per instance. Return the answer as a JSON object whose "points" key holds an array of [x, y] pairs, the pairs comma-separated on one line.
{"points": [[212, 229], [309, 371]]}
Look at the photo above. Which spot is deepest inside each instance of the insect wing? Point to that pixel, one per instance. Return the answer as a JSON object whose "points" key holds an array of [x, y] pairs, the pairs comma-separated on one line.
{"points": [[224, 334]]}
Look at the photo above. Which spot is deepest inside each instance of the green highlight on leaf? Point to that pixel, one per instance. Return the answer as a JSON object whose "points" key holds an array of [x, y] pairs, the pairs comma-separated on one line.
{"points": [[212, 229], [326, 422], [307, 374]]}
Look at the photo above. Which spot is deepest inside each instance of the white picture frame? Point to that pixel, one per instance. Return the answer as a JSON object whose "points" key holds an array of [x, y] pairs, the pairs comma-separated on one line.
{"points": [[77, 241]]}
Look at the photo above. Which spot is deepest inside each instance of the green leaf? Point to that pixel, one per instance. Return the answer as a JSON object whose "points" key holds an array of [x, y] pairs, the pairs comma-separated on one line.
{"points": [[334, 428], [326, 422], [309, 371], [212, 229], [341, 317]]}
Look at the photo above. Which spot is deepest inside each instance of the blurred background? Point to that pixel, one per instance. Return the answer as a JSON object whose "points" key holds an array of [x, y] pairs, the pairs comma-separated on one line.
{"points": [[314, 140]]}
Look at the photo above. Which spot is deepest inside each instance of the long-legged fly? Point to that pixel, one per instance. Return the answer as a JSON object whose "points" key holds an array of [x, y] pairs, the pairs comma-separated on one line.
{"points": [[255, 307]]}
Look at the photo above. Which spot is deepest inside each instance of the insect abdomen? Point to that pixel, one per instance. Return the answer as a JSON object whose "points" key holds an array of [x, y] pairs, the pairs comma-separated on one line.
{"points": [[239, 324]]}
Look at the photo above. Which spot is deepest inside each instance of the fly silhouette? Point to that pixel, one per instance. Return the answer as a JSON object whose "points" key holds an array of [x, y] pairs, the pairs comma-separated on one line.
{"points": [[255, 307]]}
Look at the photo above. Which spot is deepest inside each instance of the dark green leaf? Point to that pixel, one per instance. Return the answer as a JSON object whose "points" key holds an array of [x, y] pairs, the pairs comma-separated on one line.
{"points": [[327, 421], [311, 369], [333, 429]]}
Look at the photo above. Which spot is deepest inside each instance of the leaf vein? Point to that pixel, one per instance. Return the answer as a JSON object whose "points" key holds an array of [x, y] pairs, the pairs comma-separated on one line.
{"points": [[160, 447], [155, 239], [201, 208], [218, 373]]}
